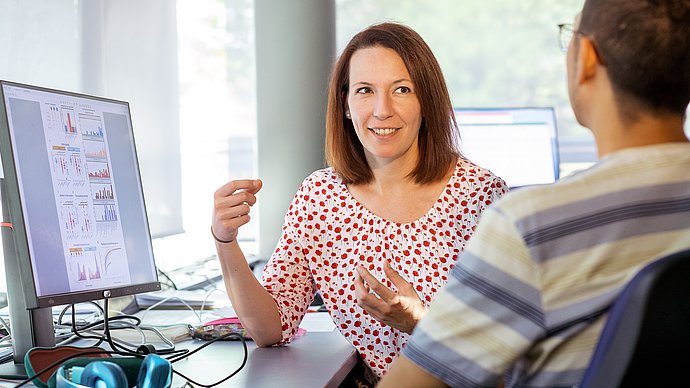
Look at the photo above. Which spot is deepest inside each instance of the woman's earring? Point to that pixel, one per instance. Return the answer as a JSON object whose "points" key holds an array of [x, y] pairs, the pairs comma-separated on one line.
{"points": [[347, 114]]}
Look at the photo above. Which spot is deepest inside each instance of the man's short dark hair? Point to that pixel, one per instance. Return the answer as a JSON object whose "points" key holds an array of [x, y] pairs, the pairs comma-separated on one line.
{"points": [[645, 46]]}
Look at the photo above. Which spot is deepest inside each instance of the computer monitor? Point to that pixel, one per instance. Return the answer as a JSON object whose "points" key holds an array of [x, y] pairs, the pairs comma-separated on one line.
{"points": [[75, 226], [518, 144]]}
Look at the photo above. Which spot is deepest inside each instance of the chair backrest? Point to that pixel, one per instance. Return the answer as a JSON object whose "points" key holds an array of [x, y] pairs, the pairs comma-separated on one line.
{"points": [[646, 339]]}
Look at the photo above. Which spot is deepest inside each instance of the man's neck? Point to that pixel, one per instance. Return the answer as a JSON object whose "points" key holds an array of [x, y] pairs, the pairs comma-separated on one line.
{"points": [[646, 130]]}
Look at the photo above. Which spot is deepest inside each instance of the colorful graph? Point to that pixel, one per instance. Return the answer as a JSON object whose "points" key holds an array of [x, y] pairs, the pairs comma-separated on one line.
{"points": [[91, 126], [76, 164], [83, 264], [95, 149], [85, 221], [68, 123], [70, 217], [99, 171], [60, 166], [102, 192], [67, 163], [105, 213], [76, 219]]}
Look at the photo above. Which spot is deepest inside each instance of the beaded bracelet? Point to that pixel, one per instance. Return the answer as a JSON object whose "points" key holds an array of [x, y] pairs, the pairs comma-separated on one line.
{"points": [[219, 240]]}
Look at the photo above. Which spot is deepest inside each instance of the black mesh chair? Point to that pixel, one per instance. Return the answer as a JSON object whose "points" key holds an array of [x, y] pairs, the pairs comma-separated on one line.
{"points": [[646, 340]]}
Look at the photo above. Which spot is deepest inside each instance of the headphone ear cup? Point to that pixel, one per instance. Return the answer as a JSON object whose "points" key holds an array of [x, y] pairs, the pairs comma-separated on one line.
{"points": [[155, 372], [62, 381], [103, 374]]}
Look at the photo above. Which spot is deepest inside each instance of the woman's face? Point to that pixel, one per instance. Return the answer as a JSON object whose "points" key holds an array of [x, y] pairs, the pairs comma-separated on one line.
{"points": [[383, 106]]}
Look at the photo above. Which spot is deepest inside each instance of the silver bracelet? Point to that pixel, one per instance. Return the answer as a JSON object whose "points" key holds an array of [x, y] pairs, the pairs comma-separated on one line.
{"points": [[219, 240]]}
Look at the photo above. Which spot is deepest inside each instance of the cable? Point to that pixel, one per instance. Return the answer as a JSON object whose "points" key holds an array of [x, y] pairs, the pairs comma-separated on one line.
{"points": [[116, 325], [62, 313], [113, 344], [86, 331], [170, 281], [173, 360], [224, 336], [208, 294], [76, 331], [167, 299]]}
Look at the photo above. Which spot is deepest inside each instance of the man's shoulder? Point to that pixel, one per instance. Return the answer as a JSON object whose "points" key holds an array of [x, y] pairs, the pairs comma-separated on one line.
{"points": [[527, 200]]}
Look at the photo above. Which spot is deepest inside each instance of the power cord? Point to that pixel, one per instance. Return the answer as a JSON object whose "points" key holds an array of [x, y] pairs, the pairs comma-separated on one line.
{"points": [[115, 346], [222, 337]]}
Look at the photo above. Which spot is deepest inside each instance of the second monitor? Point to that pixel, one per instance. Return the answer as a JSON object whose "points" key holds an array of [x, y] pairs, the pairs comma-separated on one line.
{"points": [[518, 144]]}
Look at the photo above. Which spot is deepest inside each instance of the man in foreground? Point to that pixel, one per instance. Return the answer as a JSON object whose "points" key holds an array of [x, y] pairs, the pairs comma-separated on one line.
{"points": [[526, 303]]}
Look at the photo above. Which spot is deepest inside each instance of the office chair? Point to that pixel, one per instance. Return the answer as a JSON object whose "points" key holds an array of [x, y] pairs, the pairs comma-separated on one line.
{"points": [[646, 340]]}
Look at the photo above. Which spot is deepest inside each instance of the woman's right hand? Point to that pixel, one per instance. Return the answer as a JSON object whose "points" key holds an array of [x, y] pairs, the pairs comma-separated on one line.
{"points": [[231, 205]]}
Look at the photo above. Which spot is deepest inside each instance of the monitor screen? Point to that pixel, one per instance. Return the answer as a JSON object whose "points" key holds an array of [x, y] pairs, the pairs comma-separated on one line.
{"points": [[74, 196], [518, 144]]}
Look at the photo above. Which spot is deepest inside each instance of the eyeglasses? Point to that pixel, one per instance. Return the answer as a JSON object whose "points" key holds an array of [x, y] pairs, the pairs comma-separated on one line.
{"points": [[565, 34]]}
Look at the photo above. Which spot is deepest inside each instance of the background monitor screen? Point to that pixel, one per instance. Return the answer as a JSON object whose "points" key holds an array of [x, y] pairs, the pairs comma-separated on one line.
{"points": [[75, 196], [518, 144]]}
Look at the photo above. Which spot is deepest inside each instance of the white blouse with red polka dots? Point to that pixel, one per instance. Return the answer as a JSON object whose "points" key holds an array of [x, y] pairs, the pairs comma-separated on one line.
{"points": [[328, 233]]}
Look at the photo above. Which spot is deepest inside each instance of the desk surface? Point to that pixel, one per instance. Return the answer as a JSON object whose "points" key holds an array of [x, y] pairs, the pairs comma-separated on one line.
{"points": [[312, 360], [315, 359]]}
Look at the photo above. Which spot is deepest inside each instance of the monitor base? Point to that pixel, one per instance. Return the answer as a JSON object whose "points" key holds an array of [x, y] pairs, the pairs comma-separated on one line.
{"points": [[12, 371]]}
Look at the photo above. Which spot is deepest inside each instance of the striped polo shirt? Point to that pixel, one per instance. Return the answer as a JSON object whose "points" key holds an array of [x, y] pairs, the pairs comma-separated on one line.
{"points": [[528, 299]]}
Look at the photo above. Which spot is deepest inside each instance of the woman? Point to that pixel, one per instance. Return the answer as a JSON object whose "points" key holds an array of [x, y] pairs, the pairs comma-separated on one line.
{"points": [[377, 232]]}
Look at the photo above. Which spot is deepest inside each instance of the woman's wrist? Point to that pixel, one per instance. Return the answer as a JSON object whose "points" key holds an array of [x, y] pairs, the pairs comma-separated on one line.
{"points": [[219, 240]]}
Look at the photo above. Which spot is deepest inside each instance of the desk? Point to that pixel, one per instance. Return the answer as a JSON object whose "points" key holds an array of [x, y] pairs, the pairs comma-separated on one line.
{"points": [[312, 360], [315, 359]]}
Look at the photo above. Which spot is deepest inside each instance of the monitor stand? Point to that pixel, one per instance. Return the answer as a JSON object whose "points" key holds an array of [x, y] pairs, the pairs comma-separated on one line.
{"points": [[30, 328]]}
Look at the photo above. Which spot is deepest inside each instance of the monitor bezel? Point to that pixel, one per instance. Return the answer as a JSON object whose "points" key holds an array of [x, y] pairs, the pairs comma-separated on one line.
{"points": [[17, 220]]}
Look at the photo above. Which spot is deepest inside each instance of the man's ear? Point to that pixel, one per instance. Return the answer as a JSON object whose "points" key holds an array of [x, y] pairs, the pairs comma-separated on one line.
{"points": [[588, 60]]}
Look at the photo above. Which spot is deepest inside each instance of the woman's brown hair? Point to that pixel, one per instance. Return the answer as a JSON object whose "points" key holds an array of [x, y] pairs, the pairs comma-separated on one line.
{"points": [[438, 149]]}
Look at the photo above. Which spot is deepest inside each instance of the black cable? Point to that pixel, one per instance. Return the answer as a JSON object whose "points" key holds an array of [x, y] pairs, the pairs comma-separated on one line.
{"points": [[224, 336], [172, 284], [175, 355], [76, 331], [108, 338], [64, 310], [106, 331], [76, 328], [137, 321]]}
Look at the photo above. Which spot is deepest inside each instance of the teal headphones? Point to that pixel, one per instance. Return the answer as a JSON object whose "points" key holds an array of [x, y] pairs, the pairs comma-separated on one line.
{"points": [[154, 372]]}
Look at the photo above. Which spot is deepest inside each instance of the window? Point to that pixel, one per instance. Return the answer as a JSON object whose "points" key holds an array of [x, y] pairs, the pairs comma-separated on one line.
{"points": [[217, 118]]}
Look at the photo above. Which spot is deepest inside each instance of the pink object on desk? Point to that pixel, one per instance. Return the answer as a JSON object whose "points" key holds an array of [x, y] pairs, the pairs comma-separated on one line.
{"points": [[219, 327]]}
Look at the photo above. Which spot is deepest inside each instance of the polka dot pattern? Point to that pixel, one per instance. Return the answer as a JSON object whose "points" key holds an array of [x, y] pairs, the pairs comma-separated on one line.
{"points": [[327, 233]]}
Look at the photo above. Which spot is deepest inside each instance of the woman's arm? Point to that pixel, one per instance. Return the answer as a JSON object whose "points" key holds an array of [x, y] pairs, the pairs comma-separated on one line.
{"points": [[253, 304]]}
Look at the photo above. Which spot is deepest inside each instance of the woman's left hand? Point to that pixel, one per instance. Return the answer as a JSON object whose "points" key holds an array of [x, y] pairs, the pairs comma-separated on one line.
{"points": [[401, 310]]}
